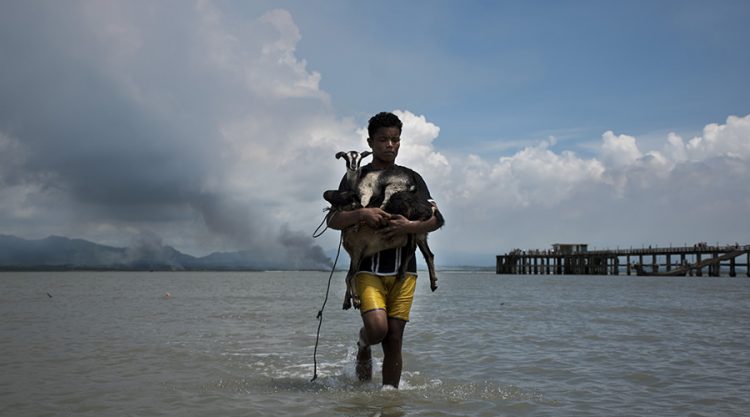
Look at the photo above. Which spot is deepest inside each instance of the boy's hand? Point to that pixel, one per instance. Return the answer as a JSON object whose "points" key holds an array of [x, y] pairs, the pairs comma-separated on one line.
{"points": [[374, 217], [397, 225]]}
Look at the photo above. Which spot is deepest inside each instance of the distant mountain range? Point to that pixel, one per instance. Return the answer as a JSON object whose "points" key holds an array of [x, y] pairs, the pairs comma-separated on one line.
{"points": [[62, 253]]}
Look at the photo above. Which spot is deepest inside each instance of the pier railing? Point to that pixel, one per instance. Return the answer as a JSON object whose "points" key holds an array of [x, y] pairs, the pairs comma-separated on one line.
{"points": [[653, 261], [670, 250]]}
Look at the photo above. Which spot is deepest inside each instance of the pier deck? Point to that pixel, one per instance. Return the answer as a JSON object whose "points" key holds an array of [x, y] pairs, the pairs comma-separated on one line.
{"points": [[697, 260]]}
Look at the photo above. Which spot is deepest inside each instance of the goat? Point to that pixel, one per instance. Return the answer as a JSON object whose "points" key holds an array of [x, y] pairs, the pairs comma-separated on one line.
{"points": [[394, 188], [362, 240], [416, 207]]}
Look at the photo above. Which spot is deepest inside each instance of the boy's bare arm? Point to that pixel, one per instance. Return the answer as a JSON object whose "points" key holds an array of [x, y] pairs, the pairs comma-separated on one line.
{"points": [[374, 217]]}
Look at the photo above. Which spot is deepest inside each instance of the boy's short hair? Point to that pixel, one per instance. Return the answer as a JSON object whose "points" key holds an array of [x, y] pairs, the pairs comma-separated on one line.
{"points": [[383, 119]]}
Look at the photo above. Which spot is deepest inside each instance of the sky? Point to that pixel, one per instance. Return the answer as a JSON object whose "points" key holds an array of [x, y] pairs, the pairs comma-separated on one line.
{"points": [[213, 125]]}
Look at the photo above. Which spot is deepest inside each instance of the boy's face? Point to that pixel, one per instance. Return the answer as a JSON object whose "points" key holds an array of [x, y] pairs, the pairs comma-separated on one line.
{"points": [[384, 144]]}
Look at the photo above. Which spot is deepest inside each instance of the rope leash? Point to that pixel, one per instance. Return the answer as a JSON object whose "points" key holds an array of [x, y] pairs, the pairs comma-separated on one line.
{"points": [[317, 229], [325, 300]]}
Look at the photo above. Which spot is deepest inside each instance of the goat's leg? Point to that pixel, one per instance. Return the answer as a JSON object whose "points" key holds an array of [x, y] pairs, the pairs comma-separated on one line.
{"points": [[365, 195], [348, 294], [350, 284], [354, 296], [389, 191], [351, 298], [409, 249], [429, 258]]}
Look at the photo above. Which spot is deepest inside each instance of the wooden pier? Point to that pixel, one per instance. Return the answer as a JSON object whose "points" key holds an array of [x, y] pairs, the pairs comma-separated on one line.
{"points": [[575, 259]]}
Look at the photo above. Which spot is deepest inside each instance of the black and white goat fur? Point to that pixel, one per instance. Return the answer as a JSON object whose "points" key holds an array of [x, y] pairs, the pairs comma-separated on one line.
{"points": [[392, 190]]}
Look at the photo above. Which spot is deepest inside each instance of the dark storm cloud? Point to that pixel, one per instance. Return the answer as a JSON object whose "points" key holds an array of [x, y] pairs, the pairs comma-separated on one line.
{"points": [[123, 119], [79, 131]]}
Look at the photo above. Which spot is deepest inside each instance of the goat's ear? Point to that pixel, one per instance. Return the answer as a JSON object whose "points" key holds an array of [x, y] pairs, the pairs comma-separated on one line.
{"points": [[365, 154], [340, 155]]}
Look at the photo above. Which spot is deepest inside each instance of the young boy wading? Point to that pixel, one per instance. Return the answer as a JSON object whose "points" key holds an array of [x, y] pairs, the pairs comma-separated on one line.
{"points": [[386, 300]]}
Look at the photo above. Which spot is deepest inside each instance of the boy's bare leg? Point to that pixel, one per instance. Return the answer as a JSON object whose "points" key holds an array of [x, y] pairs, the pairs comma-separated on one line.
{"points": [[364, 358], [374, 330], [392, 360]]}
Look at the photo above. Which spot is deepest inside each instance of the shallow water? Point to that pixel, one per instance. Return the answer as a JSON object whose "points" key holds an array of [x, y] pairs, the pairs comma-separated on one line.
{"points": [[241, 344]]}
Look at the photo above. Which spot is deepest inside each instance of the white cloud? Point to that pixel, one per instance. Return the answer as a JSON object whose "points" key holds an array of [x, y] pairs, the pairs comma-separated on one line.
{"points": [[533, 176], [418, 150], [619, 151], [675, 148], [622, 197], [732, 138]]}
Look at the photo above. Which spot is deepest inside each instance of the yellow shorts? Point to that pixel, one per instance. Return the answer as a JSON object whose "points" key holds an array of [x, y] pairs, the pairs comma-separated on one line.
{"points": [[386, 293]]}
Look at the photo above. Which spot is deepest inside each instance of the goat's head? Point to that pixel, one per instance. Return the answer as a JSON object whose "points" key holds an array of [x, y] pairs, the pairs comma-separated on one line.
{"points": [[353, 159]]}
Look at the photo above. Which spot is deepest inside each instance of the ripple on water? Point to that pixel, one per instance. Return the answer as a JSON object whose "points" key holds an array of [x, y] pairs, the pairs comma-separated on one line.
{"points": [[242, 344]]}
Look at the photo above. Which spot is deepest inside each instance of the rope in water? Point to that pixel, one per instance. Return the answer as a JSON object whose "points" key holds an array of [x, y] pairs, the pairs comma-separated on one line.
{"points": [[325, 300]]}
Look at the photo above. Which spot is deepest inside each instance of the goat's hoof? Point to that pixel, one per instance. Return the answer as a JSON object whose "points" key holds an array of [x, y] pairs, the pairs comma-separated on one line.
{"points": [[357, 303], [347, 304], [433, 285]]}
